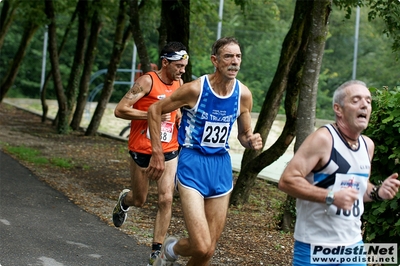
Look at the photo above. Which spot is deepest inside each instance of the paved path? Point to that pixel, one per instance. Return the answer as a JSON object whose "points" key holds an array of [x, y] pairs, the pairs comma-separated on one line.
{"points": [[40, 226]]}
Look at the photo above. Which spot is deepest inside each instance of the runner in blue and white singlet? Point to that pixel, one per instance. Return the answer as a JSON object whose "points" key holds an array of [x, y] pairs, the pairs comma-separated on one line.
{"points": [[215, 115], [210, 105]]}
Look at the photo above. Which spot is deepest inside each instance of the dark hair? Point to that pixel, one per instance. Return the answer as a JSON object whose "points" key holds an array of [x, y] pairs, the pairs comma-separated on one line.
{"points": [[172, 47], [221, 43]]}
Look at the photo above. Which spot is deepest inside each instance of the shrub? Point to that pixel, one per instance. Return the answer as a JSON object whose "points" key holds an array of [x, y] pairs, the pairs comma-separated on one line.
{"points": [[381, 220]]}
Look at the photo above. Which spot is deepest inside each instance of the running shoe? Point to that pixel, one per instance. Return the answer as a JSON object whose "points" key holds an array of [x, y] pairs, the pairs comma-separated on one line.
{"points": [[164, 259], [153, 256], [119, 214]]}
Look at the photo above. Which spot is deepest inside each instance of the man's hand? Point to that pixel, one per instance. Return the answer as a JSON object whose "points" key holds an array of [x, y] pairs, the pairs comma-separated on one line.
{"points": [[345, 198], [255, 141], [156, 166], [166, 117], [389, 187]]}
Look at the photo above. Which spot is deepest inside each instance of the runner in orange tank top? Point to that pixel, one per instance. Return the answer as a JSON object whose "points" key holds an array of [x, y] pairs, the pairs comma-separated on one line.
{"points": [[148, 89]]}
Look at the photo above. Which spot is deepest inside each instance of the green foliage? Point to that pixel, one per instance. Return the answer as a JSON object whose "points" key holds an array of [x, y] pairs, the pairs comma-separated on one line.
{"points": [[382, 219], [337, 64], [388, 10]]}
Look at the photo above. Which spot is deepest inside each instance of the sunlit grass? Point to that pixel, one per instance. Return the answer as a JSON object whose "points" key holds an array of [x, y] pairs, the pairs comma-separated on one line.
{"points": [[27, 154], [60, 162], [31, 155]]}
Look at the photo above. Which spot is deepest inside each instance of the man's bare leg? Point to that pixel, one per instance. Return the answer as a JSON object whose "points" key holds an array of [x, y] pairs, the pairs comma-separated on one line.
{"points": [[205, 220], [165, 186]]}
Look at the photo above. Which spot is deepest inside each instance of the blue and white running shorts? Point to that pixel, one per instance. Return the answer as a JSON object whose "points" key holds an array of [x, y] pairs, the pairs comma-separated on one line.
{"points": [[210, 175]]}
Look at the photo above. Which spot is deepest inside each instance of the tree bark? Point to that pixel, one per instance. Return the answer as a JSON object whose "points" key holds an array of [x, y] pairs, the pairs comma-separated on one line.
{"points": [[62, 124], [9, 78], [87, 70], [77, 65], [162, 32], [315, 36], [176, 16], [119, 45], [254, 161], [48, 75], [296, 71], [138, 36], [313, 59], [6, 18]]}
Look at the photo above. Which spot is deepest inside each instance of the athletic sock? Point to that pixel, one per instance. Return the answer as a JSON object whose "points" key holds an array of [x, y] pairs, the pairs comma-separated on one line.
{"points": [[156, 246]]}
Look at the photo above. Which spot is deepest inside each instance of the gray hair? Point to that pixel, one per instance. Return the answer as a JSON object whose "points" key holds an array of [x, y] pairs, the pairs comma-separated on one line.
{"points": [[221, 43], [340, 94]]}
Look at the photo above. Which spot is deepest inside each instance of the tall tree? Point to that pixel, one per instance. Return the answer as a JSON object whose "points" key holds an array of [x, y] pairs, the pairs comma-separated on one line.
{"points": [[91, 52], [305, 123], [137, 34], [8, 80], [62, 124], [175, 14], [43, 90], [301, 46], [162, 31], [120, 39], [6, 18], [30, 28], [77, 65]]}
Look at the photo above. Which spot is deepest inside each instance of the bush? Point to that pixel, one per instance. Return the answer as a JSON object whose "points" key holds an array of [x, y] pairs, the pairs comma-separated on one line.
{"points": [[381, 220]]}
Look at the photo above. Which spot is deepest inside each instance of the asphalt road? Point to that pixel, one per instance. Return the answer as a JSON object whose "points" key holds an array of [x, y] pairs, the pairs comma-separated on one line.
{"points": [[40, 226]]}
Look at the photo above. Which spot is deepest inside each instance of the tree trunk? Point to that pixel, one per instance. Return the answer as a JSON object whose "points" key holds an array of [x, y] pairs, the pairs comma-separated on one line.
{"points": [[162, 33], [87, 70], [77, 64], [176, 16], [62, 124], [295, 71], [6, 18], [313, 60], [138, 36], [48, 75], [315, 36], [119, 45], [12, 72], [285, 79]]}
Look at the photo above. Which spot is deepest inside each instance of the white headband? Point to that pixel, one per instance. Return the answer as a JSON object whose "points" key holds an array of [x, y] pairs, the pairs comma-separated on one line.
{"points": [[175, 56]]}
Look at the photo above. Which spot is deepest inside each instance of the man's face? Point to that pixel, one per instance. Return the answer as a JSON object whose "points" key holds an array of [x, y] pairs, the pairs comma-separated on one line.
{"points": [[175, 69], [357, 106], [228, 61]]}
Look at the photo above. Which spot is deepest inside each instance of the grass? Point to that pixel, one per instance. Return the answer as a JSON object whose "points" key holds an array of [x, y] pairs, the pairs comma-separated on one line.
{"points": [[27, 154], [33, 156], [60, 162]]}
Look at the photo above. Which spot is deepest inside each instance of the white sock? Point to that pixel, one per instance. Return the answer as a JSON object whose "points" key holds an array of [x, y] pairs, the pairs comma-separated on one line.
{"points": [[170, 250]]}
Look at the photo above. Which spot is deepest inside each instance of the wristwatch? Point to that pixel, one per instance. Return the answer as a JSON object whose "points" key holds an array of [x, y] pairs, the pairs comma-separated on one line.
{"points": [[330, 198]]}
